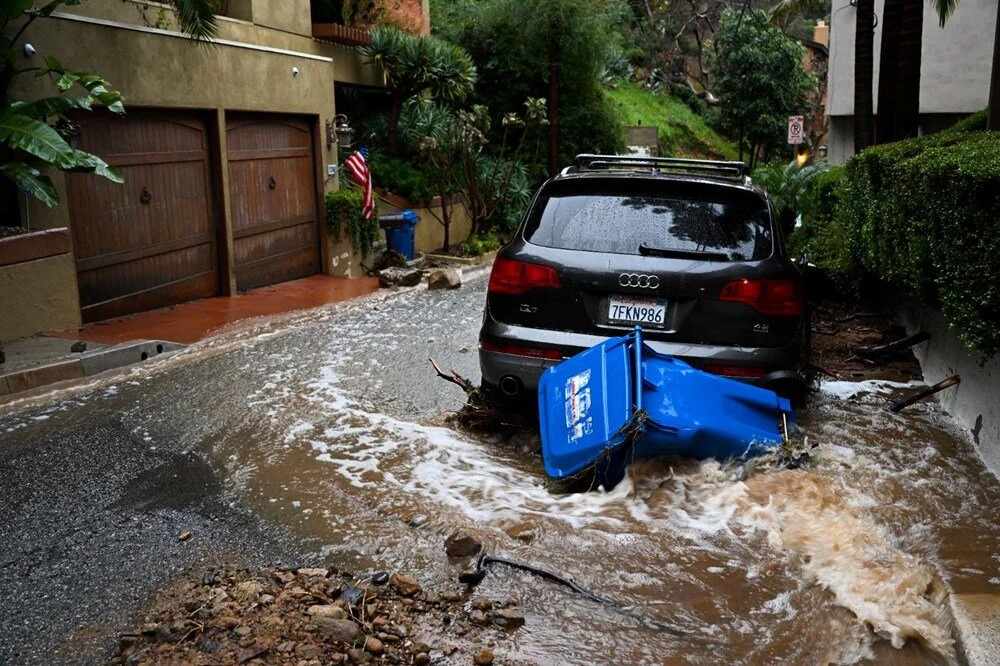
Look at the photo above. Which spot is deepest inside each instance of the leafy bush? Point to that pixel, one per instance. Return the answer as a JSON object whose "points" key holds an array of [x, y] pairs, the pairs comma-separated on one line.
{"points": [[924, 216], [343, 210], [823, 238], [975, 122], [787, 185], [477, 245], [401, 177]]}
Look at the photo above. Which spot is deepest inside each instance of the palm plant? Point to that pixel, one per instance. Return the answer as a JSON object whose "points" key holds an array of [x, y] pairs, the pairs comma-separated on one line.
{"points": [[37, 135], [787, 185], [414, 64]]}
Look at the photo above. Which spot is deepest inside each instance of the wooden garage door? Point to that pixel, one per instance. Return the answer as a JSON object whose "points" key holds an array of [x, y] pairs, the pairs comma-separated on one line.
{"points": [[272, 185], [150, 242]]}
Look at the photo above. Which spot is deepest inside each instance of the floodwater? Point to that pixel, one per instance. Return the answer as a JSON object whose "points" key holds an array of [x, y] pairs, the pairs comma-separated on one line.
{"points": [[333, 424]]}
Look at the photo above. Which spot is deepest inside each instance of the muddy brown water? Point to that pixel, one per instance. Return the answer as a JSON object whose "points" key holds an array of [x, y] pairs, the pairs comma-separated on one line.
{"points": [[851, 558]]}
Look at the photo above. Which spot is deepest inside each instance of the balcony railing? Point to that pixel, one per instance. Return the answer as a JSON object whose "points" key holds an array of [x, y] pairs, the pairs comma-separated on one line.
{"points": [[341, 34]]}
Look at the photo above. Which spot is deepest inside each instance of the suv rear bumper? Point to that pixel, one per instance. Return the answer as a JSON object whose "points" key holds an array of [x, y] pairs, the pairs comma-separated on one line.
{"points": [[781, 363]]}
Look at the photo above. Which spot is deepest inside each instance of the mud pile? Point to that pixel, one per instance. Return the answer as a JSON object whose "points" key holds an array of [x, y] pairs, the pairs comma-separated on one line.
{"points": [[312, 616]]}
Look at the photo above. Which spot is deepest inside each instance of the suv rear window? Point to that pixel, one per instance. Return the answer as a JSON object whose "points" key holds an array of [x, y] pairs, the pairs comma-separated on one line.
{"points": [[712, 223]]}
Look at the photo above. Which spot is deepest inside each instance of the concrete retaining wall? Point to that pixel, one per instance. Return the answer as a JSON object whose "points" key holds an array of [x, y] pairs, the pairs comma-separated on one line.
{"points": [[975, 403]]}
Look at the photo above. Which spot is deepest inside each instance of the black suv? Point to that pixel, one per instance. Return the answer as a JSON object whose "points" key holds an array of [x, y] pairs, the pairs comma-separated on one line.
{"points": [[687, 249]]}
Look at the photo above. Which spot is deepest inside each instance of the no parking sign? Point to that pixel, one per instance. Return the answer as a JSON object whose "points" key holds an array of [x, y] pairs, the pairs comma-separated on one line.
{"points": [[795, 124]]}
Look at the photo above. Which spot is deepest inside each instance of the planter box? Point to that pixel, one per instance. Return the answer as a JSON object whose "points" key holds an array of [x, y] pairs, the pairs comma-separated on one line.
{"points": [[34, 245]]}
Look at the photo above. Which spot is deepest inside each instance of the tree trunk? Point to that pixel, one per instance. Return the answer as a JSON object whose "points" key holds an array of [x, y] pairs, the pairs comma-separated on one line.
{"points": [[907, 112], [863, 60], [553, 107], [445, 218], [888, 71], [993, 117]]}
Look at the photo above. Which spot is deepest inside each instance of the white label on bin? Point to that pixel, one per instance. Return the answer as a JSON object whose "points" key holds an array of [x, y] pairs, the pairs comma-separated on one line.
{"points": [[577, 395]]}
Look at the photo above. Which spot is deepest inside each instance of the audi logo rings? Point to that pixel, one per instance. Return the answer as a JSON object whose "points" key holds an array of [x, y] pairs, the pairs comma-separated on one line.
{"points": [[638, 280]]}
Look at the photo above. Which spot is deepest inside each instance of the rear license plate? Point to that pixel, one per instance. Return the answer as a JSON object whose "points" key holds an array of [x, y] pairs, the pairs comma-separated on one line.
{"points": [[637, 310]]}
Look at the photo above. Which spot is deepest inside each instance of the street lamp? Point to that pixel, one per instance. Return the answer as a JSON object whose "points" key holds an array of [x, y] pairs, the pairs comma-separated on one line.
{"points": [[343, 131]]}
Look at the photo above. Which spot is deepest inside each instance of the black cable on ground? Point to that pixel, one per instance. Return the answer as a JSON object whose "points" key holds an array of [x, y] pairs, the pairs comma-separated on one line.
{"points": [[476, 577]]}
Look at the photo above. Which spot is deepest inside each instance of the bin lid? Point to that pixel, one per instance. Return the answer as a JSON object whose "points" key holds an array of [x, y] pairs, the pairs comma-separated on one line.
{"points": [[584, 402]]}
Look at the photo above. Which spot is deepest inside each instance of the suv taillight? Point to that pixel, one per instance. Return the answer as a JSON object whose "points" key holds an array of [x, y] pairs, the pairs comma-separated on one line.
{"points": [[516, 277], [770, 297]]}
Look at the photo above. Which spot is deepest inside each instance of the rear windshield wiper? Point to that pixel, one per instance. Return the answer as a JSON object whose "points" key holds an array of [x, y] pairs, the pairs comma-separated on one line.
{"points": [[648, 251]]}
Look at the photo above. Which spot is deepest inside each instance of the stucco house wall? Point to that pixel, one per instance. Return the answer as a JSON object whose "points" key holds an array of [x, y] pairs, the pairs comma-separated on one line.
{"points": [[954, 76]]}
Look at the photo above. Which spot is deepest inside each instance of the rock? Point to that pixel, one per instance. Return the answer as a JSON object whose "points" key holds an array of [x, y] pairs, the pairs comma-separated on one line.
{"points": [[478, 617], [508, 619], [78, 347], [283, 576], [380, 621], [461, 544], [308, 651], [184, 536], [339, 631], [242, 631], [210, 646], [328, 610], [309, 573], [449, 650], [381, 578], [373, 645], [399, 277], [483, 658], [511, 600], [137, 657], [451, 596], [358, 656], [444, 278], [421, 658], [405, 585], [482, 604], [286, 647], [266, 599], [352, 596], [248, 590], [251, 652], [432, 598]]}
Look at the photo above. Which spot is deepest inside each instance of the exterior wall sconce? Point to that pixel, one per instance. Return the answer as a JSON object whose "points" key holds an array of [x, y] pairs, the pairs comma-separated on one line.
{"points": [[340, 131]]}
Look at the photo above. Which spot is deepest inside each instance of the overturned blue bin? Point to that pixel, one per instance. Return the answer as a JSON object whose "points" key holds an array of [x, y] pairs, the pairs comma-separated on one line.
{"points": [[621, 401], [399, 229]]}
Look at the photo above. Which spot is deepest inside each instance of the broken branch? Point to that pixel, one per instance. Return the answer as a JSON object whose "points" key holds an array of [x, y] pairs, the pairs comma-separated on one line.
{"points": [[899, 405], [454, 378], [873, 353]]}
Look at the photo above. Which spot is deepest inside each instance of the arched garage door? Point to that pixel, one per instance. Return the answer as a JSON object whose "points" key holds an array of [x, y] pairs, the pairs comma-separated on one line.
{"points": [[151, 241], [272, 186]]}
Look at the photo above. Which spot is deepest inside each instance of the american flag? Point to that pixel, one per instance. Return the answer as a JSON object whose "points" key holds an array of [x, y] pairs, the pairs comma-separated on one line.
{"points": [[357, 164]]}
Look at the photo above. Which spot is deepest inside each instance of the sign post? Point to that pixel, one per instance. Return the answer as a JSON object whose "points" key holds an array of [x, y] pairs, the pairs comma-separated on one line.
{"points": [[795, 124]]}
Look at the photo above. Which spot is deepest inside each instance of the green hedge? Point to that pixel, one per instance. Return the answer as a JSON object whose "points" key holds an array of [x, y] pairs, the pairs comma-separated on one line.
{"points": [[924, 215], [343, 212]]}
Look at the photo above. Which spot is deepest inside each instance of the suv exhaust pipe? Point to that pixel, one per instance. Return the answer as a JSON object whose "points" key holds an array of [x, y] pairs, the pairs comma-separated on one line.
{"points": [[510, 386]]}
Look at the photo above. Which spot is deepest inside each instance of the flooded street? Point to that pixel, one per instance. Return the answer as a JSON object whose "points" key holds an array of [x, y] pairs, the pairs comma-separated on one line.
{"points": [[333, 426]]}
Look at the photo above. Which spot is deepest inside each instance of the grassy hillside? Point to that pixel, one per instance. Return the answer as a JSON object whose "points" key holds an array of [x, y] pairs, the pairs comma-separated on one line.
{"points": [[683, 133]]}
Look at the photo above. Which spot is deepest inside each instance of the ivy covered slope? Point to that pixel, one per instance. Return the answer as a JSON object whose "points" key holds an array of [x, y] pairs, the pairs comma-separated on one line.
{"points": [[683, 133]]}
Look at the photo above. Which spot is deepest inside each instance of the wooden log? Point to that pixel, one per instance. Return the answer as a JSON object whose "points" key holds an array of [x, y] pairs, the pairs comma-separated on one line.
{"points": [[872, 353], [923, 393]]}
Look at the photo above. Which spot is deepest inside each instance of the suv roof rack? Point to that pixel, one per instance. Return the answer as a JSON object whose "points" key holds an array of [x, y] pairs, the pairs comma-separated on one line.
{"points": [[712, 168]]}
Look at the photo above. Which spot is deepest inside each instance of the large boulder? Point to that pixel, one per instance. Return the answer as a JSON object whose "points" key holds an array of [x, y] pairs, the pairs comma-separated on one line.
{"points": [[399, 277], [444, 278]]}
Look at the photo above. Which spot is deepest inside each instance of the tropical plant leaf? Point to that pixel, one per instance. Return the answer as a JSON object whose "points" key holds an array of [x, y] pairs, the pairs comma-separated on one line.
{"points": [[50, 106], [197, 18], [84, 162], [32, 181], [944, 9], [35, 137]]}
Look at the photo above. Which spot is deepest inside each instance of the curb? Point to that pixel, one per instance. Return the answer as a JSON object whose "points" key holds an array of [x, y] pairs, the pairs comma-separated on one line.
{"points": [[86, 365]]}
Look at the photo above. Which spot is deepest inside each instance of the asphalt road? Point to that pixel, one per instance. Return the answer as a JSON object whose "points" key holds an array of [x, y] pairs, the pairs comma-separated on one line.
{"points": [[98, 486]]}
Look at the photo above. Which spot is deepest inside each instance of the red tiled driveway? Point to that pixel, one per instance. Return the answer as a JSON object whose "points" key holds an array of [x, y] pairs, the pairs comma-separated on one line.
{"points": [[193, 321]]}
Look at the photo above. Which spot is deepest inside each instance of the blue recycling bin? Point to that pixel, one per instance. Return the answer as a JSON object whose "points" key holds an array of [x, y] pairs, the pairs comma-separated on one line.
{"points": [[621, 401], [399, 229]]}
